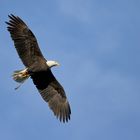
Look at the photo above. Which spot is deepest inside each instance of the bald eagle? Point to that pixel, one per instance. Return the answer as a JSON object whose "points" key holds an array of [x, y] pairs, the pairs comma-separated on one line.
{"points": [[37, 68]]}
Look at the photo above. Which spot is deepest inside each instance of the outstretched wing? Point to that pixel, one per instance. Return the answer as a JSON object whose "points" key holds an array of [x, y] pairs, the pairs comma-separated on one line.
{"points": [[53, 93], [24, 40]]}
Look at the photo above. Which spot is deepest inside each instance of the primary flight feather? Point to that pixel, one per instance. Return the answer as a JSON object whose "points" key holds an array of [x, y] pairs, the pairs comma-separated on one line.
{"points": [[38, 68]]}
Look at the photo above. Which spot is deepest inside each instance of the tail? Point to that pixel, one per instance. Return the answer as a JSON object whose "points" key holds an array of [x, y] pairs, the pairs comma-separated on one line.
{"points": [[20, 76]]}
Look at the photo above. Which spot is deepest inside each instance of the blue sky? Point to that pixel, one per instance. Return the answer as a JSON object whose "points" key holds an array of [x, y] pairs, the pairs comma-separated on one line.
{"points": [[97, 43]]}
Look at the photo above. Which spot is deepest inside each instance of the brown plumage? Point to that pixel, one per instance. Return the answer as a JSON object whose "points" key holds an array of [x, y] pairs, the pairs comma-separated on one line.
{"points": [[31, 56]]}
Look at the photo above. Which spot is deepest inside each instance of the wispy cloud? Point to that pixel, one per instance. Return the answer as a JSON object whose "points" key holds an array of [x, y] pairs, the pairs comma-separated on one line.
{"points": [[79, 9]]}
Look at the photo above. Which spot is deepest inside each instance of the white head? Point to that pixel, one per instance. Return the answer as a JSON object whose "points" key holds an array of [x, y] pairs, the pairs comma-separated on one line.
{"points": [[51, 63]]}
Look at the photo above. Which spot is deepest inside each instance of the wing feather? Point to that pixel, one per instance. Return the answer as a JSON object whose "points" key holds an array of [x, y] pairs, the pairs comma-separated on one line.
{"points": [[58, 105], [24, 40], [53, 93]]}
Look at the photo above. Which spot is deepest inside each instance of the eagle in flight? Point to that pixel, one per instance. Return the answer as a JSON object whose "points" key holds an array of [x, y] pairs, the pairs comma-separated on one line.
{"points": [[37, 68]]}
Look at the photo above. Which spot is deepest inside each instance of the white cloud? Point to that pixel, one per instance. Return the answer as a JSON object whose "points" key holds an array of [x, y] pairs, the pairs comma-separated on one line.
{"points": [[79, 9]]}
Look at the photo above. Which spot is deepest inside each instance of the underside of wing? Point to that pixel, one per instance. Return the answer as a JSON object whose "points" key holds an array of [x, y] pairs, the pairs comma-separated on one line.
{"points": [[24, 40], [58, 104], [53, 93]]}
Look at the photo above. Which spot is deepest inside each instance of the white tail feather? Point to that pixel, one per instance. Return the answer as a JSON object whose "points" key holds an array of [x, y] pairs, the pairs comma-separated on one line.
{"points": [[20, 76]]}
